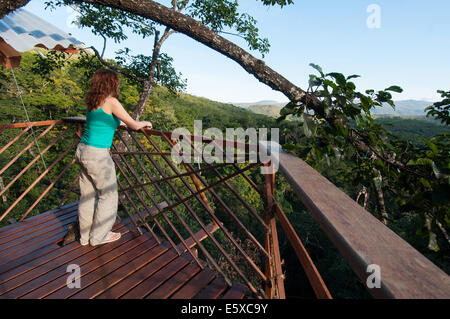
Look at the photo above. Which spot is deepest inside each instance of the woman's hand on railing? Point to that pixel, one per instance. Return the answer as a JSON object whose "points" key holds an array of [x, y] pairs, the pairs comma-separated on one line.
{"points": [[146, 125]]}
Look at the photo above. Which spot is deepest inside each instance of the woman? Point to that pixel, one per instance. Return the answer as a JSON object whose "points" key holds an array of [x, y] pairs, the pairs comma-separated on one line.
{"points": [[97, 172]]}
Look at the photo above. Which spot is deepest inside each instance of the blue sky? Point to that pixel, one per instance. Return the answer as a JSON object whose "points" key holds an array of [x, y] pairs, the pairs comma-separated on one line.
{"points": [[410, 49]]}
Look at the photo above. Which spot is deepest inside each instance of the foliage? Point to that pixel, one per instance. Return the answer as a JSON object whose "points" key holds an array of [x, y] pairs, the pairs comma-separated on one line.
{"points": [[412, 178], [441, 110], [224, 14], [138, 65]]}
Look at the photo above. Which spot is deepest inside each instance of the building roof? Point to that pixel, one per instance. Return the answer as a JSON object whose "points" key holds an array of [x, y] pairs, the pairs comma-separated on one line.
{"points": [[23, 31]]}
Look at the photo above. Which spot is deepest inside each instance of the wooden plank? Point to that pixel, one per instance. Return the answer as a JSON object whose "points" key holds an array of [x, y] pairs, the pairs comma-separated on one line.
{"points": [[200, 235], [136, 278], [153, 211], [200, 281], [47, 272], [32, 220], [362, 239], [213, 290], [139, 276], [36, 220], [43, 255], [157, 279], [56, 279], [237, 291], [41, 233], [120, 273], [29, 253], [35, 228], [174, 283], [22, 274], [35, 243]]}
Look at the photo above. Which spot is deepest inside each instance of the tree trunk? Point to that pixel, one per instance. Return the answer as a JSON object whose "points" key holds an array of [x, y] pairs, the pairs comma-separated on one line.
{"points": [[380, 198], [147, 87]]}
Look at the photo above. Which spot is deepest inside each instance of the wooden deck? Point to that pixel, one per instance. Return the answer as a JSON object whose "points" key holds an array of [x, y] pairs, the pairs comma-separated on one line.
{"points": [[34, 265]]}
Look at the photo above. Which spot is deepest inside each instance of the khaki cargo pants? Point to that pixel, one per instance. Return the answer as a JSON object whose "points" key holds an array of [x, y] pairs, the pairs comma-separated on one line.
{"points": [[97, 208]]}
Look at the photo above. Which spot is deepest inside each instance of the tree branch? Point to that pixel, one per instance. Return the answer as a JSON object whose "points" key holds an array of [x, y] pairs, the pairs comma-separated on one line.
{"points": [[7, 6], [115, 68]]}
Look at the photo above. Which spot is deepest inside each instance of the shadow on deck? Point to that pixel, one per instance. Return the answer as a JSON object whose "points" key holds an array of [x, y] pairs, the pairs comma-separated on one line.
{"points": [[33, 264]]}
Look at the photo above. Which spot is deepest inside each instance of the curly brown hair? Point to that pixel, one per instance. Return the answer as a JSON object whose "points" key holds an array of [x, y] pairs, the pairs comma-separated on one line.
{"points": [[105, 82]]}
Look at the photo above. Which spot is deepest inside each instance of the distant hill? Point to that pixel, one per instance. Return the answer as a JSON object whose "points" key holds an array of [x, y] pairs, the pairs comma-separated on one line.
{"points": [[402, 108], [263, 102], [271, 110]]}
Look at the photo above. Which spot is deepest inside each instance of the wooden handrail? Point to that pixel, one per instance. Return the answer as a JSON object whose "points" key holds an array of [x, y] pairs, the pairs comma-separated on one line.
{"points": [[362, 239]]}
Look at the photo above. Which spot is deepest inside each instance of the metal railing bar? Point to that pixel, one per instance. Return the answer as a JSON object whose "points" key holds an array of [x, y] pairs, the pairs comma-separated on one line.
{"points": [[201, 225], [251, 210], [154, 202], [69, 190], [314, 277], [143, 202], [227, 234], [273, 264], [140, 153], [25, 149], [208, 256], [229, 211], [44, 173], [34, 124], [158, 181], [47, 189], [252, 183], [14, 139], [33, 161], [167, 200]]}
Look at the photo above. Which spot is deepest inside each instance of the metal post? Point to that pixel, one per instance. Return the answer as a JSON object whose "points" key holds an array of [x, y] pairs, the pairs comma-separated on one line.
{"points": [[275, 287]]}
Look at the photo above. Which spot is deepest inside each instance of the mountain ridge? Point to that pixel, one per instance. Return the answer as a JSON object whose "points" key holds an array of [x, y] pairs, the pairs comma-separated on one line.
{"points": [[409, 107]]}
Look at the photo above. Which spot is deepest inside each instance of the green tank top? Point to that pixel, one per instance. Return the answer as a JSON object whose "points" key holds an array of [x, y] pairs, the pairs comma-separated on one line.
{"points": [[100, 128]]}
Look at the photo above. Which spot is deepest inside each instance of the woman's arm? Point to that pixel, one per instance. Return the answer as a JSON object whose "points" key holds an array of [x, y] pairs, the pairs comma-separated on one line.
{"points": [[118, 110]]}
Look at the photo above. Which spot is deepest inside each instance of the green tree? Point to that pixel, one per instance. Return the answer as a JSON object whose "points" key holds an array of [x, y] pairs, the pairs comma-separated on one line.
{"points": [[399, 177]]}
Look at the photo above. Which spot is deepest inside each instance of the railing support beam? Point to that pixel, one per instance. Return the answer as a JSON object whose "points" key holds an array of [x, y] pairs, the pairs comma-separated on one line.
{"points": [[273, 271]]}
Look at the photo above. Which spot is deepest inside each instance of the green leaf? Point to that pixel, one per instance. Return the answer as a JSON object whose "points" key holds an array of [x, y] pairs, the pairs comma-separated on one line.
{"points": [[432, 146], [353, 76], [394, 88], [421, 161], [339, 77], [425, 183], [318, 68], [309, 126]]}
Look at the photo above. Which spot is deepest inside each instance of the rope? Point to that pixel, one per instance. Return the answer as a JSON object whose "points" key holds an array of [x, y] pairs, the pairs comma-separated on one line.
{"points": [[28, 118]]}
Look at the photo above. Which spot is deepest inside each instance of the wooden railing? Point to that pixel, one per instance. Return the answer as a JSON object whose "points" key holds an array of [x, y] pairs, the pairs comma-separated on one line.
{"points": [[362, 239], [204, 209]]}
